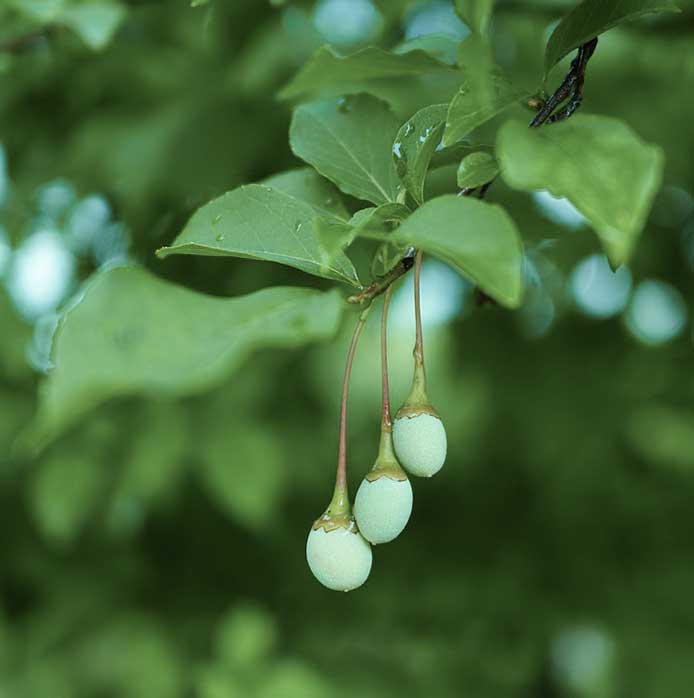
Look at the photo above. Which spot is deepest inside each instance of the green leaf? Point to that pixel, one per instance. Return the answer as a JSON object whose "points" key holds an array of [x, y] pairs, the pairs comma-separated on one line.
{"points": [[307, 185], [258, 462], [337, 236], [476, 170], [349, 141], [334, 237], [474, 106], [132, 333], [476, 14], [443, 47], [593, 17], [154, 464], [66, 490], [485, 93], [258, 222], [328, 70], [247, 635], [477, 239], [452, 155], [379, 217], [662, 435], [607, 172], [414, 146]]}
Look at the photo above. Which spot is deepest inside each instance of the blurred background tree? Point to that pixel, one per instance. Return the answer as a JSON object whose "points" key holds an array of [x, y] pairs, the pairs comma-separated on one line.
{"points": [[157, 548]]}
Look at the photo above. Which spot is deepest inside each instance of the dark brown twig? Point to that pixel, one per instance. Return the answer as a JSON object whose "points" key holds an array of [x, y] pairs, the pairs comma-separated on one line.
{"points": [[570, 92], [381, 284]]}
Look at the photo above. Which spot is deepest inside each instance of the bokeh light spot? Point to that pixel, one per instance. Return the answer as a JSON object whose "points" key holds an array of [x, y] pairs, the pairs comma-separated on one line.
{"points": [[582, 658], [597, 290], [657, 313], [558, 210], [443, 294], [41, 274], [347, 22], [435, 18]]}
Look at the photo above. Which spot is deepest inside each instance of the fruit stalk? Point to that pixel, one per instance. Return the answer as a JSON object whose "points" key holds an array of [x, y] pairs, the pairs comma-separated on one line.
{"points": [[419, 339], [386, 456], [418, 394], [386, 421], [383, 503], [340, 498]]}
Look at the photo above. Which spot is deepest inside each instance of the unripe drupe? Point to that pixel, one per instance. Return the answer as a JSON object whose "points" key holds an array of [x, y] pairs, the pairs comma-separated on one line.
{"points": [[420, 440], [338, 555], [418, 434], [383, 504]]}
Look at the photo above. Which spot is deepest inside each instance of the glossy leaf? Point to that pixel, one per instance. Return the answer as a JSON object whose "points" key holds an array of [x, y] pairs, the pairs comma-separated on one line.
{"points": [[328, 70], [607, 172], [477, 169], [259, 222], [349, 141], [593, 17], [307, 185], [477, 239], [414, 146], [476, 14], [132, 333]]}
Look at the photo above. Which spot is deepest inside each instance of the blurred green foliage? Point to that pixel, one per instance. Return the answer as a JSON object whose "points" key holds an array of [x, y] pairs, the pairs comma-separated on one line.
{"points": [[156, 549]]}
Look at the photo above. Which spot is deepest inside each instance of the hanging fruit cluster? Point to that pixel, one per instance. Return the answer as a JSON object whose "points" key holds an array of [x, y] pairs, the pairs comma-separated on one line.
{"points": [[338, 548]]}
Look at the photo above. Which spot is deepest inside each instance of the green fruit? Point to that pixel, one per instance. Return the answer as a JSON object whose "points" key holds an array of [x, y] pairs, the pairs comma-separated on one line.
{"points": [[383, 507], [339, 557], [420, 441]]}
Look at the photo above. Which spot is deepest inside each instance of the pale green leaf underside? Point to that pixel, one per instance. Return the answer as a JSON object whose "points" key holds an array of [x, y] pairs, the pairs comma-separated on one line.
{"points": [[349, 141], [414, 146], [476, 169], [328, 70], [477, 239], [593, 17], [607, 172], [259, 222], [133, 333]]}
